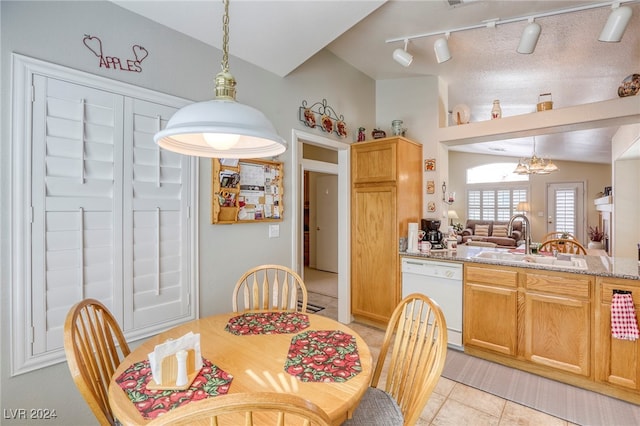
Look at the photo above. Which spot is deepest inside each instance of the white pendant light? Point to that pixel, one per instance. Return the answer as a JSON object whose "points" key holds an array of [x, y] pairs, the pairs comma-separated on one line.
{"points": [[529, 38], [403, 57], [441, 47], [616, 23], [223, 127]]}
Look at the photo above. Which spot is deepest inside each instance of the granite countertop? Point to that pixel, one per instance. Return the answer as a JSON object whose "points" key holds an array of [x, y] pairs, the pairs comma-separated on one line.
{"points": [[603, 266]]}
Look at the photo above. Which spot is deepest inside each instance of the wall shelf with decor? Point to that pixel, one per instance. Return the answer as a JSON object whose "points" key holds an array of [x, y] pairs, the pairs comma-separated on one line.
{"points": [[246, 191]]}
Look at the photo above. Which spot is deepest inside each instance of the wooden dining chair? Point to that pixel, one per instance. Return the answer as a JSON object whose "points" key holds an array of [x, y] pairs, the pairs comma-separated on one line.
{"points": [[270, 287], [94, 346], [559, 235], [562, 246], [416, 342], [260, 408]]}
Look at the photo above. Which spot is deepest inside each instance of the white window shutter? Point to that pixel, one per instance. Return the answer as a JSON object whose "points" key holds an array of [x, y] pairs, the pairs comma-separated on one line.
{"points": [[156, 222], [73, 199]]}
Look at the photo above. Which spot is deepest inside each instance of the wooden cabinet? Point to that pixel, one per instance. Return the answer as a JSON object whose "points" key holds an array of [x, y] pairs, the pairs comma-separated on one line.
{"points": [[542, 317], [555, 324], [617, 362], [386, 182], [557, 321], [491, 308]]}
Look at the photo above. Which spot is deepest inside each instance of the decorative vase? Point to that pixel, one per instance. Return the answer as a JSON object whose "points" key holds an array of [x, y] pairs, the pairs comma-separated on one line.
{"points": [[496, 111], [597, 245]]}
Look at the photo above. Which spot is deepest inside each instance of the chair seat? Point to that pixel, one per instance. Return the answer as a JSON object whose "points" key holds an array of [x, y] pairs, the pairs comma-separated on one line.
{"points": [[376, 408]]}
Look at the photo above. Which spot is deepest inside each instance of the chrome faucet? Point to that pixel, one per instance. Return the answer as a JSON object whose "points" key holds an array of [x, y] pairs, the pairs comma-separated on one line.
{"points": [[527, 231]]}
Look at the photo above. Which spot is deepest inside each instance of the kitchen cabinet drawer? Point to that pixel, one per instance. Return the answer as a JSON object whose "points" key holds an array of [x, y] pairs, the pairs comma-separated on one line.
{"points": [[607, 288], [570, 285], [491, 275]]}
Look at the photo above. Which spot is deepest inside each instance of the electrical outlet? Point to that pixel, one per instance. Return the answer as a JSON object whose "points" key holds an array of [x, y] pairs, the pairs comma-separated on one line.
{"points": [[274, 231]]}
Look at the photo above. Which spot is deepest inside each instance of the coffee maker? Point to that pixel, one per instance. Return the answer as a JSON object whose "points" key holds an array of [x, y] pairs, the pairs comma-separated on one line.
{"points": [[431, 227]]}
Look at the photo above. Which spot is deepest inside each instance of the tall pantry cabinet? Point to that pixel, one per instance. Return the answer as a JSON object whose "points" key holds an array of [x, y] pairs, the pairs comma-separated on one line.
{"points": [[386, 194]]}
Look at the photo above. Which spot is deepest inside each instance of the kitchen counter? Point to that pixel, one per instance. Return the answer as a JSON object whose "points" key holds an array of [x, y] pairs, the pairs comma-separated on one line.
{"points": [[602, 266]]}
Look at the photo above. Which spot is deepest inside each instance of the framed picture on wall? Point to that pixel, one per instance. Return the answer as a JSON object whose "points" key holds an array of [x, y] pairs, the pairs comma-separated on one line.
{"points": [[431, 187], [430, 165]]}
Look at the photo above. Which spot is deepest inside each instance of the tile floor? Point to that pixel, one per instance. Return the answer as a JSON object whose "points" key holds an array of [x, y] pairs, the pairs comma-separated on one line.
{"points": [[452, 403]]}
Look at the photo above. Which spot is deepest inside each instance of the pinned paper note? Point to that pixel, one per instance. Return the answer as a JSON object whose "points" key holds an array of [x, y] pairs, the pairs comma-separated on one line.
{"points": [[165, 365]]}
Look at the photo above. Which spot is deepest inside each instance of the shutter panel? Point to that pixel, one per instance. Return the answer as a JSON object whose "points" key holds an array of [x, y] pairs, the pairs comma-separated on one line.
{"points": [[73, 197], [156, 222], [566, 210]]}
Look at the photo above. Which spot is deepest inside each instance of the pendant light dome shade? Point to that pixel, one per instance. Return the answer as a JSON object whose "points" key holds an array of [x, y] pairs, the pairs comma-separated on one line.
{"points": [[616, 24], [529, 38], [203, 129], [223, 127], [441, 47]]}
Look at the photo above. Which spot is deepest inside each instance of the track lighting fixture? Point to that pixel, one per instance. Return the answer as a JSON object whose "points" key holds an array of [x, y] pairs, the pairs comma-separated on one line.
{"points": [[403, 57], [616, 23], [612, 31], [441, 47], [529, 37]]}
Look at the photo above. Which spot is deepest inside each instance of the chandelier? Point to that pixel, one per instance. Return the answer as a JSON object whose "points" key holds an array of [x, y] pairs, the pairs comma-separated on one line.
{"points": [[535, 165]]}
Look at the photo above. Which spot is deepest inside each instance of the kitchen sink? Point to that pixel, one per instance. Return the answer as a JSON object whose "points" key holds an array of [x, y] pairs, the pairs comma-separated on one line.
{"points": [[562, 262]]}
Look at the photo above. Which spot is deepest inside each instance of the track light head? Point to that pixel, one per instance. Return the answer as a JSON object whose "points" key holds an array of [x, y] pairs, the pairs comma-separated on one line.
{"points": [[529, 38], [616, 24], [441, 47], [403, 57]]}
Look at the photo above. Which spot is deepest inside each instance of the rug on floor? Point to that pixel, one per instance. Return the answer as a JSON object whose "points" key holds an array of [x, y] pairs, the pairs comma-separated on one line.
{"points": [[311, 307], [567, 402]]}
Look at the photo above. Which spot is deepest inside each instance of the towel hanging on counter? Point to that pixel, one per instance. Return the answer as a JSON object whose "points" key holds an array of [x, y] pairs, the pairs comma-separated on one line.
{"points": [[624, 323]]}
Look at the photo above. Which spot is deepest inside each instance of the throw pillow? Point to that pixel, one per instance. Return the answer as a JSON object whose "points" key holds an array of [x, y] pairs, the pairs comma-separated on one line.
{"points": [[482, 230], [499, 231]]}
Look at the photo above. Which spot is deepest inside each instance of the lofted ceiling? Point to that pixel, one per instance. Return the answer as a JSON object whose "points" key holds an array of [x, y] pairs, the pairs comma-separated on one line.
{"points": [[569, 62]]}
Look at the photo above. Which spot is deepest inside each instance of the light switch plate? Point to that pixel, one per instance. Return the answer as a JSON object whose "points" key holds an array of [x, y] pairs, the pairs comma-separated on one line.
{"points": [[274, 231]]}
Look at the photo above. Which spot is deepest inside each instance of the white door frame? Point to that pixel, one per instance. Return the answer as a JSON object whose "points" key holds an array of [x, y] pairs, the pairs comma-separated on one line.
{"points": [[299, 137]]}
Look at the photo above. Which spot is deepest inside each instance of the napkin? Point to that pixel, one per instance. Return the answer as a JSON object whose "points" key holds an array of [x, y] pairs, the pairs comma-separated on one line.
{"points": [[169, 348]]}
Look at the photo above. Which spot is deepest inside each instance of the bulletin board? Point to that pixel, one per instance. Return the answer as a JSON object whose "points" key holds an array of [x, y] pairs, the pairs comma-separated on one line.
{"points": [[246, 191]]}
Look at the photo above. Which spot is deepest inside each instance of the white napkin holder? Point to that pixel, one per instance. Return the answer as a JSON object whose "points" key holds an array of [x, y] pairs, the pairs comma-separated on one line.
{"points": [[175, 363]]}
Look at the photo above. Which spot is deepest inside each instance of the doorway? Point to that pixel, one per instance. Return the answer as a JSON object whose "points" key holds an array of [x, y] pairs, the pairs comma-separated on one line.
{"points": [[340, 169], [565, 208]]}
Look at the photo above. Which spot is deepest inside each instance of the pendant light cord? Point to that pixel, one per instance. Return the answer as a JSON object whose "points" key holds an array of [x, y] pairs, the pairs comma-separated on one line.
{"points": [[225, 37]]}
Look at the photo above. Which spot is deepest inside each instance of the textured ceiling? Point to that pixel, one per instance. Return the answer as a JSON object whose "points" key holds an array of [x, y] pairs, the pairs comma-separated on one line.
{"points": [[568, 62]]}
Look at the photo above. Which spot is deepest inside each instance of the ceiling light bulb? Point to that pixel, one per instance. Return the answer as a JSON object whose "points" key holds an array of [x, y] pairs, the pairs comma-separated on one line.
{"points": [[402, 57], [441, 47], [529, 38], [616, 24], [221, 141]]}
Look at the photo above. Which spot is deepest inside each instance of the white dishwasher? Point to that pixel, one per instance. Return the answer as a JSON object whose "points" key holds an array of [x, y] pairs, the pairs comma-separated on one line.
{"points": [[442, 282]]}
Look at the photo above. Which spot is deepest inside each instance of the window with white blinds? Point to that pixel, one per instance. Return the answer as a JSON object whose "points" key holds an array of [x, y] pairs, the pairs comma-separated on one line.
{"points": [[494, 204], [99, 210], [565, 210]]}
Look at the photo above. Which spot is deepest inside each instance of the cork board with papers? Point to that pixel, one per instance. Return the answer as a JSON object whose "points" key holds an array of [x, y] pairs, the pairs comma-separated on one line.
{"points": [[246, 191]]}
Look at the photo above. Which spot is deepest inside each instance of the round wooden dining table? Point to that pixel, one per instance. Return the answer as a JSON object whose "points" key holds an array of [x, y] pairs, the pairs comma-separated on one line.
{"points": [[257, 364]]}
